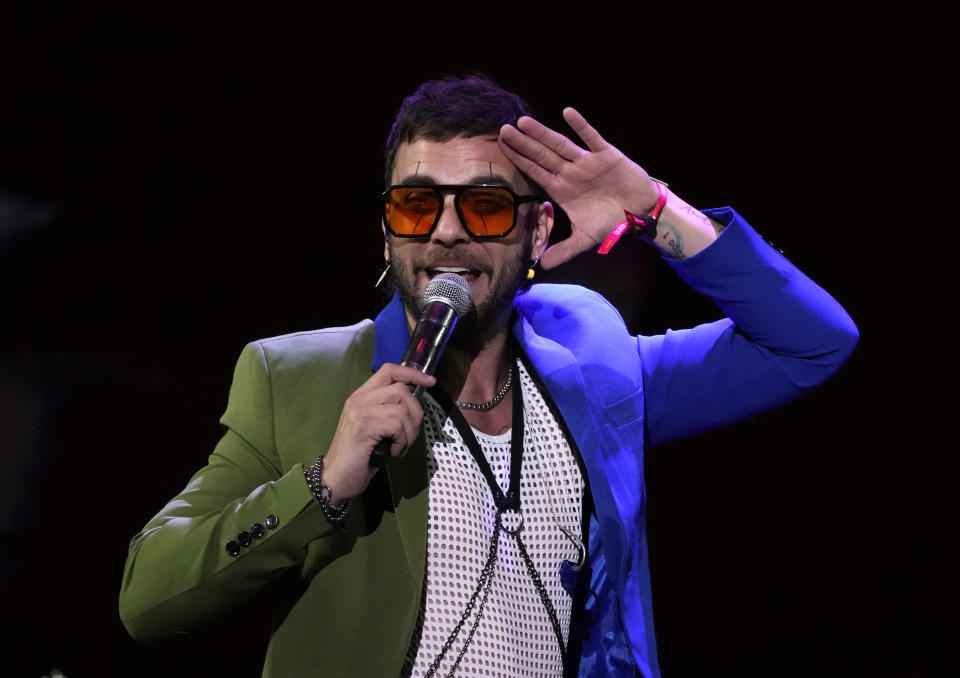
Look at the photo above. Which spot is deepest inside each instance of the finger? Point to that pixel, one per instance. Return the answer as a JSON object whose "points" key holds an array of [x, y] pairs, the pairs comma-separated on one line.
{"points": [[400, 429], [411, 416], [391, 422], [411, 429], [584, 130], [400, 440], [414, 410], [390, 373], [394, 394], [404, 412], [531, 149], [564, 251], [410, 375], [540, 175], [553, 140]]}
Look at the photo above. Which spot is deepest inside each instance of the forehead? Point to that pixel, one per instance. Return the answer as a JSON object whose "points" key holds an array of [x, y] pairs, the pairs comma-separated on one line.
{"points": [[460, 160]]}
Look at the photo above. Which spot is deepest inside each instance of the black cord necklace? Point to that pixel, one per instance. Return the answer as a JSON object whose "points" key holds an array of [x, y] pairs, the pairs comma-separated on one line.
{"points": [[508, 507]]}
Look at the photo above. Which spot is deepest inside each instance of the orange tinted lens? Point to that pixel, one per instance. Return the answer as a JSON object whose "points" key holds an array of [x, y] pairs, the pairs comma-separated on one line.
{"points": [[487, 211], [412, 211]]}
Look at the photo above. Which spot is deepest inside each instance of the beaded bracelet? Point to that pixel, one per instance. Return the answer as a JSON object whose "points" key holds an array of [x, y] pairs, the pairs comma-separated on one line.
{"points": [[323, 494]]}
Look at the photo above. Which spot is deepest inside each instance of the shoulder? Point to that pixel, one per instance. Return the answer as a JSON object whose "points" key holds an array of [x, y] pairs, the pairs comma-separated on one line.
{"points": [[576, 318], [294, 374], [322, 346], [576, 339], [549, 305]]}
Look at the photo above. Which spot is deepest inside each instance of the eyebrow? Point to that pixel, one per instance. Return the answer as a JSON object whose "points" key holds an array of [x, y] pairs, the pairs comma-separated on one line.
{"points": [[427, 180]]}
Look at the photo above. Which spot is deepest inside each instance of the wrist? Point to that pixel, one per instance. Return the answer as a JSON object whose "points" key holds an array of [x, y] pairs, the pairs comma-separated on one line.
{"points": [[638, 225], [644, 203], [335, 509], [682, 230]]}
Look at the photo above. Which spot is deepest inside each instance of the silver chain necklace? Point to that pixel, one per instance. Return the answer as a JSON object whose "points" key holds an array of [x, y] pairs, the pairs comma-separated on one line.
{"points": [[493, 402]]}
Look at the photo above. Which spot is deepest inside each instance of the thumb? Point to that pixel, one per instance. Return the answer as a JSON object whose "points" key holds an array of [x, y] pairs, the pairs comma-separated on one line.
{"points": [[564, 251]]}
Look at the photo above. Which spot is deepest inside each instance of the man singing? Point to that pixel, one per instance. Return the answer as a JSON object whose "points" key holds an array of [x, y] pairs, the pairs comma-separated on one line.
{"points": [[505, 535]]}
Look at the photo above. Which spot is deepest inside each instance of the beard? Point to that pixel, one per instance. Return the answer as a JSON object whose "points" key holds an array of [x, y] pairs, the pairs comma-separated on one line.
{"points": [[484, 319]]}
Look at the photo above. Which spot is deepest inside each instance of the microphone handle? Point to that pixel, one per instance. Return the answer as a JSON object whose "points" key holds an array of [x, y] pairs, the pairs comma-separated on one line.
{"points": [[423, 353]]}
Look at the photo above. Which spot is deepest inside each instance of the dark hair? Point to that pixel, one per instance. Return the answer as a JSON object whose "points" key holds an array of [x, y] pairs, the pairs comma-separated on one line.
{"points": [[453, 106]]}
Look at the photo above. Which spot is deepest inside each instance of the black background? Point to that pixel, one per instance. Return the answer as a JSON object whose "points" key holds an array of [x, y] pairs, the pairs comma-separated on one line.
{"points": [[175, 183]]}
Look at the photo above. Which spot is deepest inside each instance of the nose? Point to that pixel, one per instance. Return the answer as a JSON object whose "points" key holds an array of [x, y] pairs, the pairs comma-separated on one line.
{"points": [[449, 230]]}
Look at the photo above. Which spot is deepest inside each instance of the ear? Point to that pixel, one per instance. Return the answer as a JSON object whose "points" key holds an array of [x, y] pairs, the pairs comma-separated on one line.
{"points": [[386, 242], [540, 234]]}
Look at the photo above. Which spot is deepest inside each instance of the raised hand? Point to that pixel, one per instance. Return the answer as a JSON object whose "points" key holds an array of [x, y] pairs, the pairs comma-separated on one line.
{"points": [[593, 186]]}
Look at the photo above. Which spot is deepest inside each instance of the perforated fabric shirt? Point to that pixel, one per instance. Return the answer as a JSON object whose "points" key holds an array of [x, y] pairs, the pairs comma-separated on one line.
{"points": [[514, 636]]}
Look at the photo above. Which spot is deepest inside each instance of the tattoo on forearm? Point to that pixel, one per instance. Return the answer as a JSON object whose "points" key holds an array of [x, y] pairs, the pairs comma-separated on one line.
{"points": [[670, 240], [700, 216]]}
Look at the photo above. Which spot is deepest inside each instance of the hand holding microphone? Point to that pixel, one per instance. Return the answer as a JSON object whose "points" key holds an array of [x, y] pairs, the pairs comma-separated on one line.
{"points": [[380, 417], [446, 299]]}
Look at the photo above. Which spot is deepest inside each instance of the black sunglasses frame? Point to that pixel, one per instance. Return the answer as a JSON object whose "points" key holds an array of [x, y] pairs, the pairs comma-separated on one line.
{"points": [[457, 190]]}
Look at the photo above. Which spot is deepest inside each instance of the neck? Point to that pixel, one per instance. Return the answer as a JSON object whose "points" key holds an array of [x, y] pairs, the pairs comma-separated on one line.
{"points": [[473, 367], [475, 375]]}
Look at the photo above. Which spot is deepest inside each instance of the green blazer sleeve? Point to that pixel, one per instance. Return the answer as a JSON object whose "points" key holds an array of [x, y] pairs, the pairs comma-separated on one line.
{"points": [[179, 573], [367, 574]]}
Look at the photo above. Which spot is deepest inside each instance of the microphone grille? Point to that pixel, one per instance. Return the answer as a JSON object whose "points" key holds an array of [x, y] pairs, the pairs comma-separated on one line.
{"points": [[451, 289]]}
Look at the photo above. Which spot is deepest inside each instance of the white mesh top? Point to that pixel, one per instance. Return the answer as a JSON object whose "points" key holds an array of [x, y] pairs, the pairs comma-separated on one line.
{"points": [[514, 636]]}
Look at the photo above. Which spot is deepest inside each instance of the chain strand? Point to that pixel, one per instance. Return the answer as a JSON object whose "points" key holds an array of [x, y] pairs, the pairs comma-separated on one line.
{"points": [[483, 583], [544, 596]]}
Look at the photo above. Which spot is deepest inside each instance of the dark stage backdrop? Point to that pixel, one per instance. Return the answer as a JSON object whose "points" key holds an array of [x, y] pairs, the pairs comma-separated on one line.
{"points": [[174, 184]]}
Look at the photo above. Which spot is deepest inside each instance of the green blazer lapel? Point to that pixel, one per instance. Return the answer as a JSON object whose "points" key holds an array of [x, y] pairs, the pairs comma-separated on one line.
{"points": [[409, 491]]}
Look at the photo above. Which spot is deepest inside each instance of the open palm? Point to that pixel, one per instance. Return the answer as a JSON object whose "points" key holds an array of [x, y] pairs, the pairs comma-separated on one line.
{"points": [[592, 186]]}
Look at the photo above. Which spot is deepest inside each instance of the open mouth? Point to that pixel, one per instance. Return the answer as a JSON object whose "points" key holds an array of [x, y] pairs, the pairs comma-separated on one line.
{"points": [[468, 273]]}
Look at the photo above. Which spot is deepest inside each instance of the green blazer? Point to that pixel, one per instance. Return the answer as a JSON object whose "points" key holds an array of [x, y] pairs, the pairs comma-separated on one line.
{"points": [[365, 578]]}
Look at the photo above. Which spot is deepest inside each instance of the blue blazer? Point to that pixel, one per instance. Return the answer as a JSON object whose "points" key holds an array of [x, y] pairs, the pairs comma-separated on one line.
{"points": [[619, 394]]}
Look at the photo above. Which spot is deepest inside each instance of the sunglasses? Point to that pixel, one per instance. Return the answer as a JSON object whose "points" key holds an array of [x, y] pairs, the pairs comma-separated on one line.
{"points": [[486, 211]]}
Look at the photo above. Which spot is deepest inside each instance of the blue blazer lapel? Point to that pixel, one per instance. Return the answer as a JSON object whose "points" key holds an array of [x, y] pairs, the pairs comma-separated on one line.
{"points": [[563, 378]]}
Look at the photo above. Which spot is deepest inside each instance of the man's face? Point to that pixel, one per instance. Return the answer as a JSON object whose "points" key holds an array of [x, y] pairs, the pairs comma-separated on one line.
{"points": [[494, 267]]}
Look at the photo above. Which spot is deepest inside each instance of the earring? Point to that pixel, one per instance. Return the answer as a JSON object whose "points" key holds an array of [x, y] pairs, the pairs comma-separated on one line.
{"points": [[382, 276], [533, 264]]}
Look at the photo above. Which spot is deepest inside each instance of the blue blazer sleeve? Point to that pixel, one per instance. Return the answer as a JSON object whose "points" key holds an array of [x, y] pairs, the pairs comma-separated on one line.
{"points": [[783, 336]]}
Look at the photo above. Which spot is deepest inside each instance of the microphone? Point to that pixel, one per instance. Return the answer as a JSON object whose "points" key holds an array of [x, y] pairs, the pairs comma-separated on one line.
{"points": [[446, 299]]}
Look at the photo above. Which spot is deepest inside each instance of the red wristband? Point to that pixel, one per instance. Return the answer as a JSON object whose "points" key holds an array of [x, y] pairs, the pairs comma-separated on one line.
{"points": [[633, 221]]}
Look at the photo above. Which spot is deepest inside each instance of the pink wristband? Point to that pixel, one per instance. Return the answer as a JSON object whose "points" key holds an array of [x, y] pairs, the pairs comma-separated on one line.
{"points": [[632, 220]]}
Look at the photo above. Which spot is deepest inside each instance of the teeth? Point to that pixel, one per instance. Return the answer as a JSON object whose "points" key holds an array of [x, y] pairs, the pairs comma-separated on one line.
{"points": [[450, 269]]}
